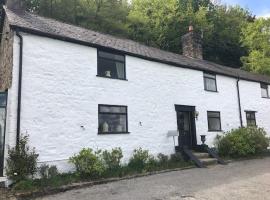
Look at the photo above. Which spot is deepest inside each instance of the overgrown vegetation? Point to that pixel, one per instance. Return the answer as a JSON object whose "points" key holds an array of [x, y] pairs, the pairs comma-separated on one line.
{"points": [[95, 165], [88, 163], [161, 24], [21, 161], [242, 142]]}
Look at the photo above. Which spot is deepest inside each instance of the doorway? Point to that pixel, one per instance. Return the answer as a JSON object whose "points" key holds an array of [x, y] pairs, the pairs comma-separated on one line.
{"points": [[186, 126]]}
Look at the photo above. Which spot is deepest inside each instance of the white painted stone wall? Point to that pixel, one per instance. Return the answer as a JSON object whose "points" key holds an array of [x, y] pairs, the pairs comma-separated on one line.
{"points": [[61, 93]]}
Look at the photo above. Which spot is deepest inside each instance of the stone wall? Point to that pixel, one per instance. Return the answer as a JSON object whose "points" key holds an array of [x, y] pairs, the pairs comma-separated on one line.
{"points": [[6, 57], [192, 45]]}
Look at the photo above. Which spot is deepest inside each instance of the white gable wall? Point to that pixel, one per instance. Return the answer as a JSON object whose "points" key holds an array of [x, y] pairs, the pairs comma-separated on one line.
{"points": [[61, 93]]}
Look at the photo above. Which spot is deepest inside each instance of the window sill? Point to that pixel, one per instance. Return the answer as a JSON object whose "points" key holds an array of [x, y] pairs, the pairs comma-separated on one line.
{"points": [[113, 133], [215, 91], [122, 79], [215, 130]]}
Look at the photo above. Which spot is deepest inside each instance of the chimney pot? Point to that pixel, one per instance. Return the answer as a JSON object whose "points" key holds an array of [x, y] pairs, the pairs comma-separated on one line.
{"points": [[190, 28]]}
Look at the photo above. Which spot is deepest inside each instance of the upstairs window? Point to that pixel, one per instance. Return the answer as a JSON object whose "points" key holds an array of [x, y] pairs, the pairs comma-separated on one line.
{"points": [[111, 65], [214, 122], [112, 119], [264, 90], [210, 83], [251, 118]]}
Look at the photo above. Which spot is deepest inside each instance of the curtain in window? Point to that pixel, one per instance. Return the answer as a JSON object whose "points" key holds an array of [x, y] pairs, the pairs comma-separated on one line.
{"points": [[210, 84], [120, 70]]}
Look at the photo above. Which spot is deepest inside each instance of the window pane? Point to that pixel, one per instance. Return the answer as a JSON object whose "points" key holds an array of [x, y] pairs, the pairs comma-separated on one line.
{"points": [[112, 123], [264, 92], [209, 76], [251, 122], [110, 68], [213, 114], [214, 124], [210, 84], [251, 118], [111, 56], [3, 99], [113, 109]]}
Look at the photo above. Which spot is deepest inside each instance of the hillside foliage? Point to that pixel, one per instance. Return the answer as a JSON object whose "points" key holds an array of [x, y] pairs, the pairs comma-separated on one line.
{"points": [[232, 36]]}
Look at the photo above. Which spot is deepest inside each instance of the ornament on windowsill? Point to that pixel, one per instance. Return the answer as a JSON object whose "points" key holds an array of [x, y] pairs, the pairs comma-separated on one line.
{"points": [[105, 127], [108, 74]]}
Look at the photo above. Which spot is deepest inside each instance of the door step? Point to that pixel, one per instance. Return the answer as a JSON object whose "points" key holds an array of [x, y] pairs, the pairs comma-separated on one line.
{"points": [[209, 161], [200, 155], [203, 158]]}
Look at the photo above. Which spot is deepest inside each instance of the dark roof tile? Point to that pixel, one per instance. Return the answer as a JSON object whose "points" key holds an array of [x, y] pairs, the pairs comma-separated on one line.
{"points": [[28, 21]]}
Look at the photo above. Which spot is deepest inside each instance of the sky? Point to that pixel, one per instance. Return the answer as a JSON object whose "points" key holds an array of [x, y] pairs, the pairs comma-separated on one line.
{"points": [[260, 8]]}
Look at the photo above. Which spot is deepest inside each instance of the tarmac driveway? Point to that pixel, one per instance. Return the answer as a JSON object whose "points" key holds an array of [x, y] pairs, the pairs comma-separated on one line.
{"points": [[244, 180]]}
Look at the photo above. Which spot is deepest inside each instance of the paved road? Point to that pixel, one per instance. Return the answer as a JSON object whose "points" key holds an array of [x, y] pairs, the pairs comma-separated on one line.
{"points": [[245, 180]]}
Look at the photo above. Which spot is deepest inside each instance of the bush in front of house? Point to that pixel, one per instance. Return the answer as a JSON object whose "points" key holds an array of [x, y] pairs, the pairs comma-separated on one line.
{"points": [[88, 163], [46, 171], [242, 142], [139, 160], [21, 161], [112, 159], [112, 162]]}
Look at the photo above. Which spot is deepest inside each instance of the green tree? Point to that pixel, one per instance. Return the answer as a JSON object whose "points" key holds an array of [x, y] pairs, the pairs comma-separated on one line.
{"points": [[222, 43], [256, 37], [108, 16], [159, 23]]}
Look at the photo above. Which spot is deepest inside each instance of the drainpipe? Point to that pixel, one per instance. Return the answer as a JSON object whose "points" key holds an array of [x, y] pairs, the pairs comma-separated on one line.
{"points": [[239, 102], [19, 88]]}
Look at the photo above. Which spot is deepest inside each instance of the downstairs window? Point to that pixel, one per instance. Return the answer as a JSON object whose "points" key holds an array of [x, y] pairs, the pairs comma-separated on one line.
{"points": [[251, 118], [214, 122], [112, 119]]}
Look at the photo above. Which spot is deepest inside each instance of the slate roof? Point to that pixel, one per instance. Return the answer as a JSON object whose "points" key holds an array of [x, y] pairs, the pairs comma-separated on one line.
{"points": [[32, 23]]}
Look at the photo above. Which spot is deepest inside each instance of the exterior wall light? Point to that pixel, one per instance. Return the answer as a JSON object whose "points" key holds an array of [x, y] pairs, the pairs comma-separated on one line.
{"points": [[196, 114]]}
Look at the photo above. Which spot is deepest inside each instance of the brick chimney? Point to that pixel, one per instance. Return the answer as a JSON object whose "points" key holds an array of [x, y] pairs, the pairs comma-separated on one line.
{"points": [[192, 44], [15, 5]]}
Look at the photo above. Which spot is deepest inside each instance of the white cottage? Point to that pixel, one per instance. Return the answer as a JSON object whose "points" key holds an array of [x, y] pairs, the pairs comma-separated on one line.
{"points": [[70, 88]]}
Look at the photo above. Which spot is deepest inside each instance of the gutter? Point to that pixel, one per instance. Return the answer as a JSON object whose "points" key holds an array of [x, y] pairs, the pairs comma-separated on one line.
{"points": [[239, 102], [19, 88]]}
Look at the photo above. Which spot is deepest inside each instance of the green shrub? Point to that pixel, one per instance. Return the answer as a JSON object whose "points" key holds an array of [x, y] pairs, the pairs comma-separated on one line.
{"points": [[43, 171], [88, 163], [176, 158], [21, 161], [112, 159], [163, 160], [25, 185], [242, 142], [52, 171], [152, 164], [139, 160], [47, 171]]}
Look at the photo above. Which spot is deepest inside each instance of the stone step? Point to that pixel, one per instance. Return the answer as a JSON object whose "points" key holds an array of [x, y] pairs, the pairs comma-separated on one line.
{"points": [[201, 155], [209, 161]]}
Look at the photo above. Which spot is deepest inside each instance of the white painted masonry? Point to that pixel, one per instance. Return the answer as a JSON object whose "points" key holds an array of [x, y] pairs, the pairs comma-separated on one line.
{"points": [[61, 93]]}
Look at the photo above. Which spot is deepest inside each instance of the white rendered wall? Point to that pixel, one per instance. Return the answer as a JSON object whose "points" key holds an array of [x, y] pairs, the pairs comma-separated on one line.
{"points": [[251, 100], [61, 93]]}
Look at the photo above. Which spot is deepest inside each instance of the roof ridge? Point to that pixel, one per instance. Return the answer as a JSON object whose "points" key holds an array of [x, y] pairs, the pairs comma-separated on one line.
{"points": [[73, 33]]}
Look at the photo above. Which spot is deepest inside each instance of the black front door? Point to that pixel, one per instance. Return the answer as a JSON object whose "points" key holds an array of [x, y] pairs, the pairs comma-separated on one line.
{"points": [[186, 126]]}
